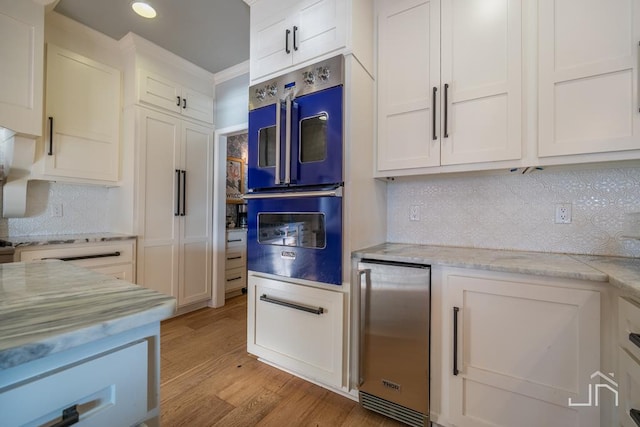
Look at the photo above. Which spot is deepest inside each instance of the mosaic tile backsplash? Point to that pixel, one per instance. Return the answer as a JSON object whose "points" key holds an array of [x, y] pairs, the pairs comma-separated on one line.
{"points": [[517, 212], [84, 210]]}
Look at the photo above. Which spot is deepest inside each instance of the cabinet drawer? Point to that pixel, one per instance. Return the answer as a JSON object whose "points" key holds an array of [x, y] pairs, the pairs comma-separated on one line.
{"points": [[119, 271], [235, 278], [629, 326], [236, 239], [235, 259], [286, 331], [110, 390], [629, 391]]}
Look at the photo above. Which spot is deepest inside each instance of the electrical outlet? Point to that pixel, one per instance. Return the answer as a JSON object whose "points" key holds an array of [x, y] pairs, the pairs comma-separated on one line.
{"points": [[563, 213], [414, 213], [56, 210]]}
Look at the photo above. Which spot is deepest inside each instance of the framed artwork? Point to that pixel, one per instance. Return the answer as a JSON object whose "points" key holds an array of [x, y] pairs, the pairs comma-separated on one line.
{"points": [[235, 170]]}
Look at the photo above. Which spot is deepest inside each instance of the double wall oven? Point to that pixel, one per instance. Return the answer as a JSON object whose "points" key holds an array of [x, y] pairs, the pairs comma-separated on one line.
{"points": [[295, 176]]}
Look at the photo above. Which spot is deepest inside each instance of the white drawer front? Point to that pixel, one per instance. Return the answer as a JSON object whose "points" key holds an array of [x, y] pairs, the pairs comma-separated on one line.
{"points": [[629, 323], [110, 390], [100, 254], [235, 259], [235, 279], [307, 343], [236, 238]]}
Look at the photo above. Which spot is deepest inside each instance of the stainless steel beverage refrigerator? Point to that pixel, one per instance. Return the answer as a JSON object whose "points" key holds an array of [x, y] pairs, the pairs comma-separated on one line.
{"points": [[394, 339]]}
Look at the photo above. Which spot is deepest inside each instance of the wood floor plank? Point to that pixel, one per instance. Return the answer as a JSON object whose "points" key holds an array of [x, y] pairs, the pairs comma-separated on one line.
{"points": [[209, 379]]}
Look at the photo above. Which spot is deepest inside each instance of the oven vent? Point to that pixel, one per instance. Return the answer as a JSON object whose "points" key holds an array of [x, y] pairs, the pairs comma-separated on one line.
{"points": [[393, 410]]}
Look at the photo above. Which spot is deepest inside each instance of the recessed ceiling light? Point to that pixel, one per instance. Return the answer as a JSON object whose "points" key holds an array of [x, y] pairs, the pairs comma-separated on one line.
{"points": [[143, 9]]}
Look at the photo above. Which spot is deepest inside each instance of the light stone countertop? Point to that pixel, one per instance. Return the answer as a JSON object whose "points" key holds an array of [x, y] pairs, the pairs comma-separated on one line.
{"points": [[50, 306], [56, 239], [623, 273]]}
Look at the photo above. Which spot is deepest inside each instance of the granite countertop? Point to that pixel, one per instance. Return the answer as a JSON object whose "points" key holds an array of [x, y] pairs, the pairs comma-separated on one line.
{"points": [[623, 273], [55, 239], [50, 306]]}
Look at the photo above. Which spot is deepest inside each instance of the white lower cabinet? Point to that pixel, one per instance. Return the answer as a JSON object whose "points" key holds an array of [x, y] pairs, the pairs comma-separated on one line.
{"points": [[235, 262], [516, 352], [629, 362], [297, 327], [109, 390]]}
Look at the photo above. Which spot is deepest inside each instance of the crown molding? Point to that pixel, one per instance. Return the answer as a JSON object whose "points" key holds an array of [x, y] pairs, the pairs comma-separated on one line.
{"points": [[231, 72]]}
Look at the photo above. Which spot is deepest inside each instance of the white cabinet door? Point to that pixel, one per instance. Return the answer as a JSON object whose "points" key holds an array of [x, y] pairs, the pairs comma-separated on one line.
{"points": [[196, 218], [21, 50], [481, 78], [588, 76], [449, 83], [175, 191], [158, 91], [83, 111], [284, 34], [282, 331], [629, 391], [159, 156], [523, 351], [408, 71]]}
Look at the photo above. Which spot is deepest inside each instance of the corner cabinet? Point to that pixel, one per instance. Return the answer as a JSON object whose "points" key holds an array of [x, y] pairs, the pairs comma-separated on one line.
{"points": [[517, 350], [449, 88], [83, 106], [588, 77], [21, 50], [175, 164]]}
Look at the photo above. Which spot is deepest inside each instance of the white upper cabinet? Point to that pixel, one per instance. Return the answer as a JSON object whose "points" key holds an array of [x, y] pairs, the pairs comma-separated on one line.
{"points": [[83, 103], [449, 83], [156, 90], [284, 34], [588, 76], [21, 69]]}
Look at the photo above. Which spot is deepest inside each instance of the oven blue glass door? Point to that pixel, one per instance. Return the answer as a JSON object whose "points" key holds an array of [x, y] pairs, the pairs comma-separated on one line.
{"points": [[306, 150], [297, 237]]}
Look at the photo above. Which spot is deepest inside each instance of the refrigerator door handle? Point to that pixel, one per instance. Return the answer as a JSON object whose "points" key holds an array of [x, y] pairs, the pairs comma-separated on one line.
{"points": [[364, 286]]}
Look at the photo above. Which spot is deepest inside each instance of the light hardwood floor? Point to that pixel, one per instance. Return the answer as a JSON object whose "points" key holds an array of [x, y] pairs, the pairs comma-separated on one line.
{"points": [[209, 379]]}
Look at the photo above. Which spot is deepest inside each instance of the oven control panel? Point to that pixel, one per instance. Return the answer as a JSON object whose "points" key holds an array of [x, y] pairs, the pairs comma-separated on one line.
{"points": [[323, 75]]}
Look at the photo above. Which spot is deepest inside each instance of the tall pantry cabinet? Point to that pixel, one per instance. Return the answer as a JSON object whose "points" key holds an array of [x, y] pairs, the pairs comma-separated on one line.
{"points": [[172, 160]]}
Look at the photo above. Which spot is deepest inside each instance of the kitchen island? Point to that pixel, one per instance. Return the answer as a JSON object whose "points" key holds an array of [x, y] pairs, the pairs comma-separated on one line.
{"points": [[75, 340]]}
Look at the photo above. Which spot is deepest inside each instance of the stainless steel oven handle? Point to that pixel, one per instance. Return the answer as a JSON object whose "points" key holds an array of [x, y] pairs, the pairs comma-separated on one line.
{"points": [[278, 115], [295, 194], [362, 295], [287, 143]]}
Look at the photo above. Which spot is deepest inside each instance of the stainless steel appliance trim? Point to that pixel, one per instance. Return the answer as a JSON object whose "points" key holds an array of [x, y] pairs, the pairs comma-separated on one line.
{"points": [[278, 118], [287, 143], [363, 289], [296, 194]]}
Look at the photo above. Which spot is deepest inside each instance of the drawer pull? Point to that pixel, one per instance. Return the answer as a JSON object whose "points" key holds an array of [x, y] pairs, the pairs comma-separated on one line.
{"points": [[76, 258], [234, 257], [70, 416], [304, 308], [234, 279], [234, 240], [635, 416], [635, 338]]}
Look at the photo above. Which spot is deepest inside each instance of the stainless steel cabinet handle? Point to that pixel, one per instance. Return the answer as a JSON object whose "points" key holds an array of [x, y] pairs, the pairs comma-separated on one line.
{"points": [[286, 41], [184, 103], [234, 257], [179, 101], [184, 193], [234, 240], [50, 152], [364, 287], [234, 279], [76, 258], [295, 306], [455, 340], [295, 36], [177, 210], [446, 109], [433, 112]]}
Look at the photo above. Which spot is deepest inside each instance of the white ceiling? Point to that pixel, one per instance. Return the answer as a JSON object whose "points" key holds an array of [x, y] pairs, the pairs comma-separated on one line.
{"points": [[213, 34]]}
